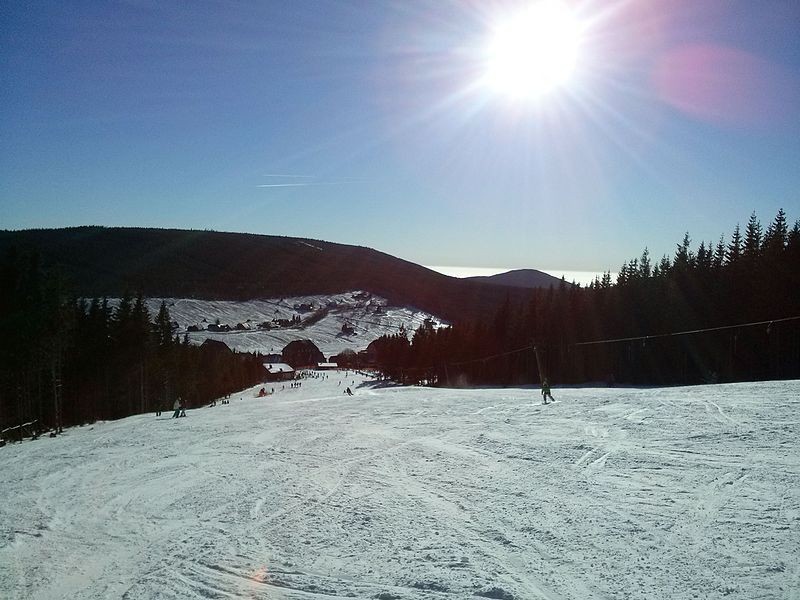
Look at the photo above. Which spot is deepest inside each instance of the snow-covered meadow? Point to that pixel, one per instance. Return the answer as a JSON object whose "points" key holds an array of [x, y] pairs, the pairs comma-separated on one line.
{"points": [[370, 317], [407, 493]]}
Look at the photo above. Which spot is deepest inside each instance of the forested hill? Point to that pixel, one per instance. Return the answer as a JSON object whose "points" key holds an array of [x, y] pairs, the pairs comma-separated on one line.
{"points": [[526, 278], [99, 261]]}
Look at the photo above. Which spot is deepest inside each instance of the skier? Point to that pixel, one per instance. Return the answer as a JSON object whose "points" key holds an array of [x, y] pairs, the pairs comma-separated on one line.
{"points": [[349, 392], [546, 391], [176, 406]]}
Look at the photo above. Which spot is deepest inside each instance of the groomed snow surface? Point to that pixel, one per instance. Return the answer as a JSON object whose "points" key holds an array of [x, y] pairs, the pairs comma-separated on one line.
{"points": [[406, 493]]}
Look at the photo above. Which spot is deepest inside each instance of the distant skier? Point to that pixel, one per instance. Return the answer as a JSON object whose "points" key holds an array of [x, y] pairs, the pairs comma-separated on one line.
{"points": [[349, 392], [176, 406], [546, 391]]}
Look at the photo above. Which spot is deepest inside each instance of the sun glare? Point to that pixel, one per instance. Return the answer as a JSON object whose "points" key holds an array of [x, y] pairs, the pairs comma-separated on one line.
{"points": [[534, 51]]}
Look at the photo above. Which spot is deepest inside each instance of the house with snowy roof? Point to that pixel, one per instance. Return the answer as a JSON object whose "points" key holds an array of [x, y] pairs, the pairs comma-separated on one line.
{"points": [[278, 372]]}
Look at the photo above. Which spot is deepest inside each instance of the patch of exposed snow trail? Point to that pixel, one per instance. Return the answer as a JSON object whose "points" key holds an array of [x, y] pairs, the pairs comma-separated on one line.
{"points": [[416, 493]]}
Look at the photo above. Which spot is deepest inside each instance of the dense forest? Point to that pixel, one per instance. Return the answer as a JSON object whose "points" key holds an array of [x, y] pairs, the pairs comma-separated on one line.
{"points": [[725, 311], [66, 361]]}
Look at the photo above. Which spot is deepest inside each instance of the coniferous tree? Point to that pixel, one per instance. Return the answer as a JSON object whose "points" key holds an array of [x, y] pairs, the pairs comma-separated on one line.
{"points": [[752, 239], [734, 252], [645, 267], [684, 257], [719, 254], [776, 237]]}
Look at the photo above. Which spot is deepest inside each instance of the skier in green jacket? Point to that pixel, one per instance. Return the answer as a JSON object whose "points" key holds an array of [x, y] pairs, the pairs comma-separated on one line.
{"points": [[546, 391]]}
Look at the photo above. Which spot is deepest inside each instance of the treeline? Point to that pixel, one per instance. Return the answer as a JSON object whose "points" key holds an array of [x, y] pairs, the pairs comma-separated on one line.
{"points": [[639, 321], [66, 361]]}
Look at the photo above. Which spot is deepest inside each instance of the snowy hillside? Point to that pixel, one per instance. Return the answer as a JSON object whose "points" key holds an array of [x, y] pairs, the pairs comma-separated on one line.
{"points": [[369, 315], [416, 493]]}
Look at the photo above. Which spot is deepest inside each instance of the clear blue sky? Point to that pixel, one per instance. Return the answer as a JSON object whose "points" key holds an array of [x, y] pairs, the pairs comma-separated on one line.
{"points": [[361, 122]]}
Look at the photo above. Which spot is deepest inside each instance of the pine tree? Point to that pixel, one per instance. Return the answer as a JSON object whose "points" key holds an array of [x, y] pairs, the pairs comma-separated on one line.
{"points": [[622, 275], [164, 328], [645, 268], [664, 266], [752, 238], [140, 325], [734, 252], [719, 254], [684, 257], [122, 315], [705, 258], [776, 237]]}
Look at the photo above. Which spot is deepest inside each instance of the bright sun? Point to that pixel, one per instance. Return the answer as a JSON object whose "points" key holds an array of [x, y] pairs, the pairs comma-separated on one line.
{"points": [[534, 51]]}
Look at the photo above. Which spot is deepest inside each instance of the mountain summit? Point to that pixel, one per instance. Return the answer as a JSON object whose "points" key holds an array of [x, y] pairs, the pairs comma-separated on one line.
{"points": [[523, 278]]}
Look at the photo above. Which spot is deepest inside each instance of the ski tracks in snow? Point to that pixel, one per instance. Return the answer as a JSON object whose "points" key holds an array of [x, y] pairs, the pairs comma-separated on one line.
{"points": [[414, 493]]}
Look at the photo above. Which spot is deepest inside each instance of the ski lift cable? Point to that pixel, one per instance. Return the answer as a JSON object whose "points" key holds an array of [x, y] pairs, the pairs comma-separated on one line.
{"points": [[612, 340], [688, 332], [491, 356]]}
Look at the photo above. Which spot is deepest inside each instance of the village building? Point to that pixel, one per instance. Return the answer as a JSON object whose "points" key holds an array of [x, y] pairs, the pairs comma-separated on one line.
{"points": [[278, 372]]}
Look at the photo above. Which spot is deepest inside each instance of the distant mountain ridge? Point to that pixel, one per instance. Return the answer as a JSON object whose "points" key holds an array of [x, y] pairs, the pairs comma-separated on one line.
{"points": [[524, 278], [101, 261]]}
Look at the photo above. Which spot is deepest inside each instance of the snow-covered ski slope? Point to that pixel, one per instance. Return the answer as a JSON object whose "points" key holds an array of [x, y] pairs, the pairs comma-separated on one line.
{"points": [[417, 493], [369, 315]]}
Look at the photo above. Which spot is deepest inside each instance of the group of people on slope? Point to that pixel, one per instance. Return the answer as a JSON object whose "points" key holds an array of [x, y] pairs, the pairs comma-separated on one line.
{"points": [[177, 406], [180, 410]]}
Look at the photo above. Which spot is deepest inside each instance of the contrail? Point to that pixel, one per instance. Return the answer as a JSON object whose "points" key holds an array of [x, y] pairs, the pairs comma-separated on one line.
{"points": [[306, 184]]}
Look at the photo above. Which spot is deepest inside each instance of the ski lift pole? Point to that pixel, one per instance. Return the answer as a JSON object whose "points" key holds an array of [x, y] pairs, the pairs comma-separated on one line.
{"points": [[539, 363]]}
